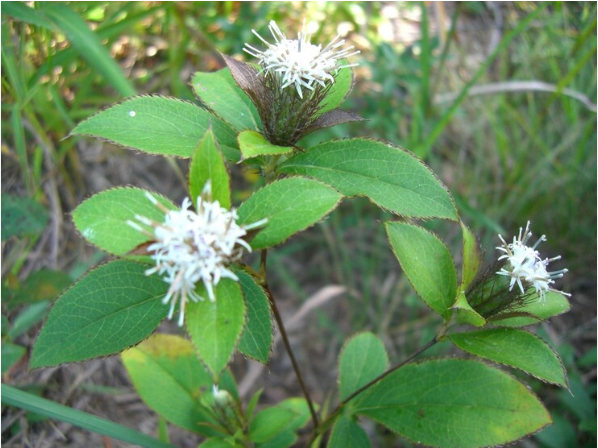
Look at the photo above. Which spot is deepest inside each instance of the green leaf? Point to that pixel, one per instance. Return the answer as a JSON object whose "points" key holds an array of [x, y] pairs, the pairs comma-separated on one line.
{"points": [[472, 257], [287, 437], [390, 176], [215, 327], [111, 308], [22, 216], [270, 422], [453, 403], [347, 433], [89, 46], [363, 359], [171, 362], [15, 397], [343, 83], [465, 313], [11, 353], [253, 144], [554, 304], [207, 164], [102, 219], [159, 125], [256, 340], [290, 205], [224, 99], [514, 348], [427, 263]]}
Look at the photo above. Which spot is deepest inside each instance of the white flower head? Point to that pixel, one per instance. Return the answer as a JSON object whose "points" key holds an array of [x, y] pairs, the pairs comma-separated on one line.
{"points": [[298, 62], [525, 266], [193, 246]]}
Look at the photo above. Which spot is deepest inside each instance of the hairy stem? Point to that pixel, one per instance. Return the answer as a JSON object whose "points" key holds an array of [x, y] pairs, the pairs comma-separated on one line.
{"points": [[287, 345]]}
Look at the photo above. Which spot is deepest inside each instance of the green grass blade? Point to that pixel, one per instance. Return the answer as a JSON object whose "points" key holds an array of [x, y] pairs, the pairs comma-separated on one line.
{"points": [[87, 43], [426, 146], [15, 397]]}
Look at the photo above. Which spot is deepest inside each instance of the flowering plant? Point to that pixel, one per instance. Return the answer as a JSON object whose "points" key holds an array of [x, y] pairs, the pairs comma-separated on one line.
{"points": [[191, 258]]}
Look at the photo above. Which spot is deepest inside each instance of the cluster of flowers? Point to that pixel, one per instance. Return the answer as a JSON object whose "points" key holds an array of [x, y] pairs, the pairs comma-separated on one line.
{"points": [[526, 267], [299, 62], [194, 246]]}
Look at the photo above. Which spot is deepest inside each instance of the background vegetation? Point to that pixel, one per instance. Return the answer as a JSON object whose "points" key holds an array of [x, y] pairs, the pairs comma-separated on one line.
{"points": [[499, 99]]}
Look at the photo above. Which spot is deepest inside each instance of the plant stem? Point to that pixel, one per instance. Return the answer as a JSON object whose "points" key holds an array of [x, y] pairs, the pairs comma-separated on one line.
{"points": [[330, 419], [287, 345]]}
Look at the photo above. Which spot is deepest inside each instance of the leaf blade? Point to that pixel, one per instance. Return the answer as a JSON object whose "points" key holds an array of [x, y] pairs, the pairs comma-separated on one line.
{"points": [[290, 206], [390, 176], [111, 308], [515, 348], [454, 403], [158, 125], [428, 264], [362, 359], [207, 165], [215, 327]]}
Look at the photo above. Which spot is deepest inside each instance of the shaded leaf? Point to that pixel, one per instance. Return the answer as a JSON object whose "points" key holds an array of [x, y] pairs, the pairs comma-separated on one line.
{"points": [[332, 118], [453, 403], [256, 340], [472, 256]]}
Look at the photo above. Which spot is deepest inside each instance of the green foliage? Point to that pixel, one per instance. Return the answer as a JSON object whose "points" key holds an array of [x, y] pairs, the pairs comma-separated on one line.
{"points": [[289, 205], [348, 434], [453, 403], [390, 176], [207, 165], [102, 219], [472, 257], [253, 144], [215, 327], [552, 305], [343, 84], [158, 125], [515, 348], [428, 264], [225, 99], [257, 337], [168, 376], [111, 308], [22, 216], [362, 360]]}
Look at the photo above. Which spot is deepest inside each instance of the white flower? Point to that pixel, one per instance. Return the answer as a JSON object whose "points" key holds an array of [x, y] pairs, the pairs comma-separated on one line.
{"points": [[299, 62], [525, 266], [193, 246]]}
